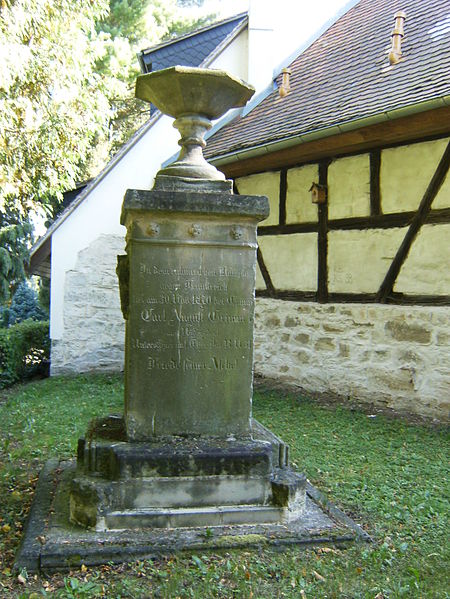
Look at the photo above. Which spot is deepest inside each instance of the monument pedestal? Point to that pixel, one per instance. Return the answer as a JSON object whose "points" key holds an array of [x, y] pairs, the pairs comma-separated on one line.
{"points": [[184, 454], [186, 467], [183, 483], [188, 298]]}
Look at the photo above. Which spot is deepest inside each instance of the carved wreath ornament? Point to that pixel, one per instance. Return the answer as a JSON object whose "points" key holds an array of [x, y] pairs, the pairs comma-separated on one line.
{"points": [[153, 229], [237, 232], [195, 230]]}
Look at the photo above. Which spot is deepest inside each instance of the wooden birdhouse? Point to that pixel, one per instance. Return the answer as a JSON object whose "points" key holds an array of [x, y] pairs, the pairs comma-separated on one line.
{"points": [[318, 193]]}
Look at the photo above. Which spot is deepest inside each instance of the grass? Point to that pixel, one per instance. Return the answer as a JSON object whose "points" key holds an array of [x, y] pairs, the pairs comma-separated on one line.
{"points": [[391, 476]]}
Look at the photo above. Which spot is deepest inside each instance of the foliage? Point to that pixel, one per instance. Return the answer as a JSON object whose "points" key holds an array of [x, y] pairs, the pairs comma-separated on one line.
{"points": [[389, 475], [66, 102], [4, 316], [53, 108], [24, 351], [44, 294], [130, 26], [25, 305], [15, 236]]}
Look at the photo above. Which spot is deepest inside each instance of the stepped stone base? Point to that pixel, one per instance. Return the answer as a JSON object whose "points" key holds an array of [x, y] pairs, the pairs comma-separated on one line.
{"points": [[124, 501], [179, 482], [52, 543]]}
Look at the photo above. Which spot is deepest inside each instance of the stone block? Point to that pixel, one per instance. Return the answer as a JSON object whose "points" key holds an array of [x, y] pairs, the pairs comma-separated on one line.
{"points": [[411, 332], [288, 489], [291, 322], [325, 344], [177, 458], [302, 338], [272, 321], [303, 356]]}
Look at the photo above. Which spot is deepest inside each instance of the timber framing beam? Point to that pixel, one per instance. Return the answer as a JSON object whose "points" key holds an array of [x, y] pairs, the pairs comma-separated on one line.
{"points": [[418, 220], [381, 221], [415, 128]]}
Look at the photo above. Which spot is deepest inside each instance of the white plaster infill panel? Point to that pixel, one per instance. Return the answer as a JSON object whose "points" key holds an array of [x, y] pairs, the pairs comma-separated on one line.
{"points": [[291, 260], [299, 207], [426, 269], [264, 184], [260, 283], [349, 187], [406, 172], [359, 260]]}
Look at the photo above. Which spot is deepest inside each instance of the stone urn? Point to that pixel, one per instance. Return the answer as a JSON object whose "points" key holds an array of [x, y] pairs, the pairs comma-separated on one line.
{"points": [[193, 97]]}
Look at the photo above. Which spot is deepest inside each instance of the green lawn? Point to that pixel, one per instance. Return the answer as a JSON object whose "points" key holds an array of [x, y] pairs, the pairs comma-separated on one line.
{"points": [[390, 476]]}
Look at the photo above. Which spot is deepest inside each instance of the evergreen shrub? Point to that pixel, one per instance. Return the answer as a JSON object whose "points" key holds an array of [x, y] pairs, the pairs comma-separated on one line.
{"points": [[24, 351], [25, 305]]}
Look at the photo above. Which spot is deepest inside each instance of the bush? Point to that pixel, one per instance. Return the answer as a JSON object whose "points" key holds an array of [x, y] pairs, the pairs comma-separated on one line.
{"points": [[4, 316], [24, 351], [25, 305]]}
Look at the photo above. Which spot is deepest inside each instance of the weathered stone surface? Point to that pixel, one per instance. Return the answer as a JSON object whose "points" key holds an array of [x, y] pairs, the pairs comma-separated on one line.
{"points": [[68, 546], [396, 356], [176, 457], [403, 331], [183, 482], [94, 330], [288, 488], [190, 322]]}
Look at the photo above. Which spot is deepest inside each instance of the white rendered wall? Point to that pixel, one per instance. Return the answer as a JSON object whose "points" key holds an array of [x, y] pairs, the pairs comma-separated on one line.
{"points": [[234, 57], [85, 244], [99, 213]]}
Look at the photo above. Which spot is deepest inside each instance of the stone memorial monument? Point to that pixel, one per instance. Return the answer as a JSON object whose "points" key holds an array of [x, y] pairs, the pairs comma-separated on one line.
{"points": [[186, 458], [188, 455]]}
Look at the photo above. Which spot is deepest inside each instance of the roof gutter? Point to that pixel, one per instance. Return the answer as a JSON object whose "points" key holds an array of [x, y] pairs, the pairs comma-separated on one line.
{"points": [[309, 136]]}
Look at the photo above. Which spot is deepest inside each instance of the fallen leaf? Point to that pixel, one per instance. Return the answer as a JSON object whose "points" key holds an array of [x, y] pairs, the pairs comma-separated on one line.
{"points": [[21, 579], [318, 576], [327, 550]]}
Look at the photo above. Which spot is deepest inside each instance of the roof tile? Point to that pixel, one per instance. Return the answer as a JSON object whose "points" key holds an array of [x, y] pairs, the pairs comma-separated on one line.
{"points": [[345, 75]]}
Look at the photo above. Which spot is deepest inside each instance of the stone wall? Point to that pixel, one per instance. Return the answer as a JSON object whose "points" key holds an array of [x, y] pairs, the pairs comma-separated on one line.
{"points": [[94, 329], [393, 356]]}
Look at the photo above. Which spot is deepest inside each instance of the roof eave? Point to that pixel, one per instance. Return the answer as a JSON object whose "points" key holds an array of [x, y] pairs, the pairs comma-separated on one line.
{"points": [[193, 33], [389, 115]]}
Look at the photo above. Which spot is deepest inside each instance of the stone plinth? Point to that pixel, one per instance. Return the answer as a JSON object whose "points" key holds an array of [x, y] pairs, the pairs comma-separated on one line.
{"points": [[183, 482], [190, 281], [186, 453]]}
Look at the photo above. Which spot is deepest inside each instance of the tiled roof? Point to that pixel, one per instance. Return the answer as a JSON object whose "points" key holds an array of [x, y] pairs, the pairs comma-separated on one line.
{"points": [[345, 75], [191, 49]]}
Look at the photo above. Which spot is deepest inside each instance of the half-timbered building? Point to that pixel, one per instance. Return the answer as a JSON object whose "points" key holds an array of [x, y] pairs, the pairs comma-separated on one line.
{"points": [[352, 148]]}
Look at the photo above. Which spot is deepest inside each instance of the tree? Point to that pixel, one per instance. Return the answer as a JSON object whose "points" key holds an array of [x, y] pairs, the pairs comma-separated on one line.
{"points": [[67, 76], [130, 26], [53, 107], [15, 237], [25, 305]]}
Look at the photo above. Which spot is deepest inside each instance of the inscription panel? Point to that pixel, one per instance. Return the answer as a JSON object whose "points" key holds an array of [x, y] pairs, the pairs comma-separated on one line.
{"points": [[189, 340]]}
